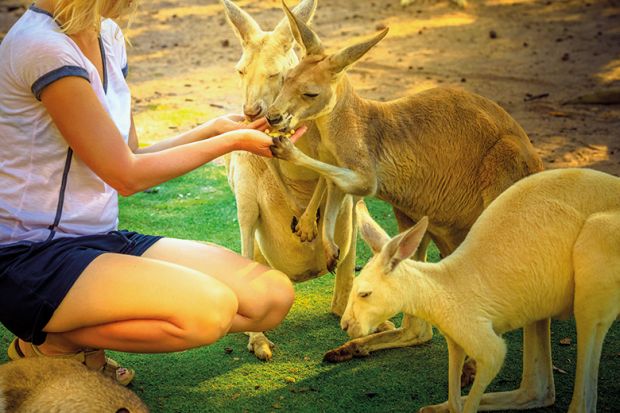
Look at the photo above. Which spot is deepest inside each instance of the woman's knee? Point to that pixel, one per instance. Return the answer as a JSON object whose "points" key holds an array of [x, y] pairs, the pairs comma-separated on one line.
{"points": [[277, 300], [211, 317]]}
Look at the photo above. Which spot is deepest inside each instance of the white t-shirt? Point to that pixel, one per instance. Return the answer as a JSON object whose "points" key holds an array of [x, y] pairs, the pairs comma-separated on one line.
{"points": [[47, 192]]}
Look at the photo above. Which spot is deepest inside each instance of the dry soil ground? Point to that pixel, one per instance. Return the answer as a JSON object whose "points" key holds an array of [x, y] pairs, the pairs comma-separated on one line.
{"points": [[531, 56]]}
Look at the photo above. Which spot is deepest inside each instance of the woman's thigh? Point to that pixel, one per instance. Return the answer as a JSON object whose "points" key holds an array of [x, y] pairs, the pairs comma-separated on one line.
{"points": [[117, 287], [256, 286]]}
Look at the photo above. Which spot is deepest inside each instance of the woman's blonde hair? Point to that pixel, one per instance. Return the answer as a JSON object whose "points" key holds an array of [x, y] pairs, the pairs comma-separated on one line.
{"points": [[75, 16]]}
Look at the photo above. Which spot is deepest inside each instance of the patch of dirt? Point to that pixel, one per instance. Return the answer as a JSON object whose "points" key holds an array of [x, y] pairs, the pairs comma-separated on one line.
{"points": [[528, 55]]}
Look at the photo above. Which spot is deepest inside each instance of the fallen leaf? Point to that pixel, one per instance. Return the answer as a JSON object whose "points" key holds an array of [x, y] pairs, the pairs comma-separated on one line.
{"points": [[566, 341], [559, 370]]}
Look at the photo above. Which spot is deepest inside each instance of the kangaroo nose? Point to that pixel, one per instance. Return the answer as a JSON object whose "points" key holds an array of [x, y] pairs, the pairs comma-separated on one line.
{"points": [[274, 119], [252, 111], [345, 325]]}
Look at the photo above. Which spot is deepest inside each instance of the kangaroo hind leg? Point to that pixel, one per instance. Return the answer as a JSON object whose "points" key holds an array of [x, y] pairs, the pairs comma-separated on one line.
{"points": [[596, 259]]}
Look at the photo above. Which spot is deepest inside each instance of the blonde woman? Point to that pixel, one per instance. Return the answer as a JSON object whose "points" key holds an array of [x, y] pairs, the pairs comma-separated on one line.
{"points": [[71, 284]]}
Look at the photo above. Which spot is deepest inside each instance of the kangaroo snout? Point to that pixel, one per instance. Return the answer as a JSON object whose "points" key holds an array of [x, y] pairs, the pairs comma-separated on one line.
{"points": [[274, 119], [253, 111]]}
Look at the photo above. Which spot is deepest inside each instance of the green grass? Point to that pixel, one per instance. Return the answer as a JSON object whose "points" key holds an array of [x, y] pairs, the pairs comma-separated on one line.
{"points": [[200, 206]]}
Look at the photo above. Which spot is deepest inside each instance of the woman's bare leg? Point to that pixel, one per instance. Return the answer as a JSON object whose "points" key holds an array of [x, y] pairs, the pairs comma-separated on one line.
{"points": [[142, 304], [264, 294]]}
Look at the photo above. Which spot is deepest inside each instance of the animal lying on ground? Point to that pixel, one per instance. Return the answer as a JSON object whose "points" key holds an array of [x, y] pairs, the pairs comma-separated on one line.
{"points": [[54, 385], [547, 247], [269, 193], [443, 153]]}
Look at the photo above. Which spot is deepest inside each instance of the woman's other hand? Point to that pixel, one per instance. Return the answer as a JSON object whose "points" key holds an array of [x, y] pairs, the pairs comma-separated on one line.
{"points": [[233, 122]]}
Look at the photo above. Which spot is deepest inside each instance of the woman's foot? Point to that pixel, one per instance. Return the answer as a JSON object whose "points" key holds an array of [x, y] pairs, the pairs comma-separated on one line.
{"points": [[93, 359]]}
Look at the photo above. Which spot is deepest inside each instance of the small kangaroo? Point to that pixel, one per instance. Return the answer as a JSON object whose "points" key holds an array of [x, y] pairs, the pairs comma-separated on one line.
{"points": [[548, 247], [269, 193], [54, 385], [443, 153]]}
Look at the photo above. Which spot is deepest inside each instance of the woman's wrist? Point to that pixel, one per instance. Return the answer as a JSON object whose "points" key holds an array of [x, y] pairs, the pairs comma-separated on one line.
{"points": [[207, 130]]}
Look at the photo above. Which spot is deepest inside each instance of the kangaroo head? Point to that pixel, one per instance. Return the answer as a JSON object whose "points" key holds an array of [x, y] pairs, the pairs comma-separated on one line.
{"points": [[376, 294], [309, 90], [267, 56]]}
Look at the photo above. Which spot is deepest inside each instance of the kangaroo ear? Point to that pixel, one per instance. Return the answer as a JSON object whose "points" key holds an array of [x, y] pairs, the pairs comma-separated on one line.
{"points": [[244, 26], [304, 11], [349, 55], [370, 231], [404, 245], [303, 34]]}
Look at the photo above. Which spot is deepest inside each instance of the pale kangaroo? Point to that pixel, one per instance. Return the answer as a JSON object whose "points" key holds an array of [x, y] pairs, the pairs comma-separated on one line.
{"points": [[444, 153], [55, 385], [269, 193], [547, 247]]}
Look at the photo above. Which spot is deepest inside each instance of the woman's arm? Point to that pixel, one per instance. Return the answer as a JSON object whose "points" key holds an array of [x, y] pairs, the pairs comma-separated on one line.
{"points": [[94, 138], [207, 130]]}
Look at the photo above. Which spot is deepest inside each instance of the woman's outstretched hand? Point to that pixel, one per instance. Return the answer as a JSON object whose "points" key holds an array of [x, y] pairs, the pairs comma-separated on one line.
{"points": [[233, 122]]}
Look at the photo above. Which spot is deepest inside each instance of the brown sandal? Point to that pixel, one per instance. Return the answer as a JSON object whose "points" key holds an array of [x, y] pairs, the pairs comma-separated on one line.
{"points": [[90, 358]]}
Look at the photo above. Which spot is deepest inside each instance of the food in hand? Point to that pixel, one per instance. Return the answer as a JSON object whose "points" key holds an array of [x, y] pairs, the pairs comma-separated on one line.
{"points": [[278, 134]]}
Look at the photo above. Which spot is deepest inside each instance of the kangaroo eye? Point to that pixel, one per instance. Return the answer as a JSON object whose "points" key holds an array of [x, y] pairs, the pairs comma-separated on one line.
{"points": [[365, 294], [311, 95], [241, 72], [274, 75]]}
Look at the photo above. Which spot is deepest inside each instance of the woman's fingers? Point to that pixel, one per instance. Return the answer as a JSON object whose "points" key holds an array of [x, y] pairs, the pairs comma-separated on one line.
{"points": [[298, 133], [235, 117], [260, 124]]}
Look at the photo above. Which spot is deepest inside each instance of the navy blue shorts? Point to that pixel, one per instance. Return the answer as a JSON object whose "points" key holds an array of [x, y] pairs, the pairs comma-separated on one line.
{"points": [[36, 276]]}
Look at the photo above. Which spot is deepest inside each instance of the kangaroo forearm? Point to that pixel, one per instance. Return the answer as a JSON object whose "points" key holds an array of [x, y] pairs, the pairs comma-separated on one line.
{"points": [[317, 197], [347, 180]]}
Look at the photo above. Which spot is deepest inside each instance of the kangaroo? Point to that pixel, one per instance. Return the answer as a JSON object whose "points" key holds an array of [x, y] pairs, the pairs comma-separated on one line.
{"points": [[270, 193], [55, 385], [549, 246], [443, 153]]}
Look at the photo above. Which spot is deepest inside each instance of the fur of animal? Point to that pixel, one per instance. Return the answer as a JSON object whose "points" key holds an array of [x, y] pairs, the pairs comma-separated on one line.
{"points": [[548, 247], [443, 153], [269, 193], [53, 385]]}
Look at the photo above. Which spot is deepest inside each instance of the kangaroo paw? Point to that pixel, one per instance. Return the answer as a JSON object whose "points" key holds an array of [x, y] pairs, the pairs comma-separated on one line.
{"points": [[283, 148], [261, 346], [332, 258], [344, 353], [437, 408], [307, 230], [385, 326]]}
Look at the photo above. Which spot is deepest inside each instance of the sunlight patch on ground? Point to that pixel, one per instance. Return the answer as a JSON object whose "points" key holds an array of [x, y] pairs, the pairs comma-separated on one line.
{"points": [[509, 2], [570, 153], [206, 10], [405, 27], [170, 105], [611, 72]]}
